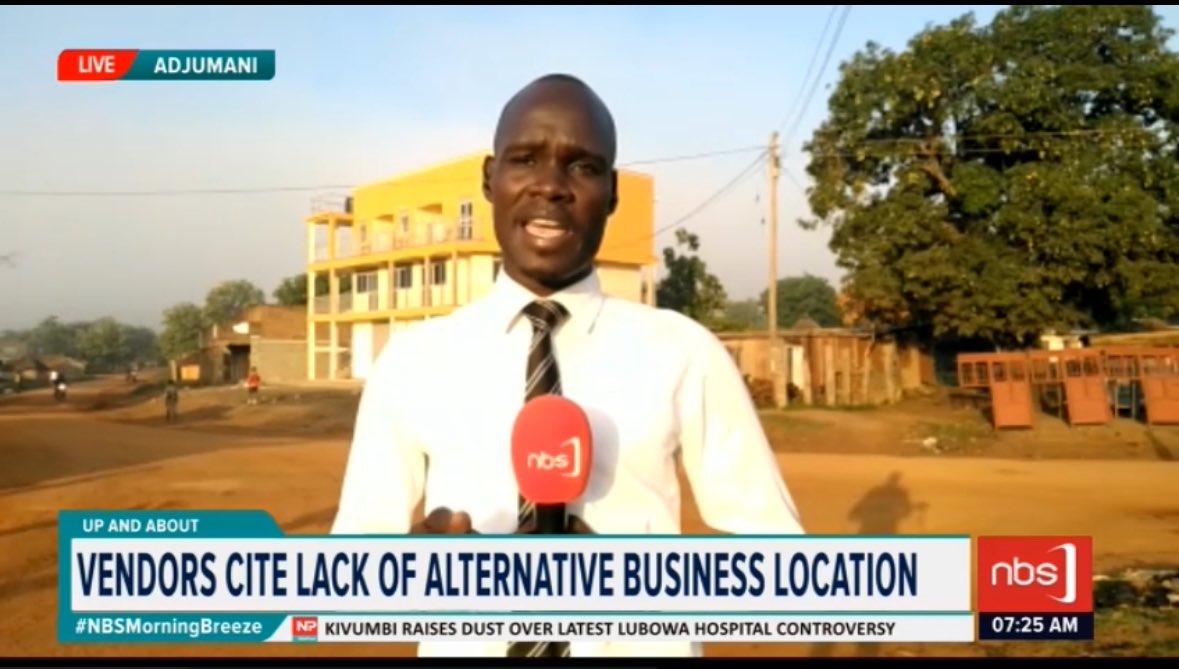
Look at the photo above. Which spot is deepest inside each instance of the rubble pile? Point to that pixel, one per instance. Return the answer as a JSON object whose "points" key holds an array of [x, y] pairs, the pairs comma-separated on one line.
{"points": [[1147, 588]]}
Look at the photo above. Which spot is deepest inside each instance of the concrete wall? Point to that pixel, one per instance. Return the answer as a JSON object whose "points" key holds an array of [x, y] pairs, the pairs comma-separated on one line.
{"points": [[279, 360], [625, 282], [827, 367]]}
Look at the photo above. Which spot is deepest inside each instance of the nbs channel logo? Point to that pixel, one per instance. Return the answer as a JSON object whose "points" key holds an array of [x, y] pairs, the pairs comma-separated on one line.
{"points": [[1035, 588]]}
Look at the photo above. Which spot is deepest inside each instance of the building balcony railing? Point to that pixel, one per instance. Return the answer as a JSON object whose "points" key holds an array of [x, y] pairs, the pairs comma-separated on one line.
{"points": [[415, 297], [353, 245], [331, 202]]}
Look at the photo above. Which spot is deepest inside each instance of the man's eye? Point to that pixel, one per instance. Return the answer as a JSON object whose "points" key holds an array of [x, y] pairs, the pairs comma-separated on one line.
{"points": [[521, 159], [586, 167]]}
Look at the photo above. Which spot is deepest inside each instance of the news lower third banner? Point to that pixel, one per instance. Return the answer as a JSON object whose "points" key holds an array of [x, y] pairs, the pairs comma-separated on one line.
{"points": [[233, 576]]}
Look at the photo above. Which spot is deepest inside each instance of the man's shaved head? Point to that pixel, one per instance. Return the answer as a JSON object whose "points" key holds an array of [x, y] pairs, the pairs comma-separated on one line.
{"points": [[575, 91]]}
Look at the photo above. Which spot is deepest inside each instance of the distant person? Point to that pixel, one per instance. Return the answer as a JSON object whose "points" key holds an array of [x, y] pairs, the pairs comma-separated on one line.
{"points": [[656, 383], [171, 401], [59, 383], [253, 382]]}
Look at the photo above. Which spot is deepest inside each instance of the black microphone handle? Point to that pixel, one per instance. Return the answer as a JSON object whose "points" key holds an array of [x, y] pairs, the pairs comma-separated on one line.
{"points": [[550, 519]]}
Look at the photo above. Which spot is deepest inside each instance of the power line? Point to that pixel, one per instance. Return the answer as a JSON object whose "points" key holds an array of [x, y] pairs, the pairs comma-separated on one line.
{"points": [[696, 156], [741, 176], [327, 187], [878, 147], [748, 169], [794, 179], [819, 76], [810, 68], [1031, 134]]}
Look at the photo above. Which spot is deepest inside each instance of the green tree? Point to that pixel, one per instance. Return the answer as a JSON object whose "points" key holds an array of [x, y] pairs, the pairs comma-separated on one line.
{"points": [[689, 287], [992, 182], [103, 345], [292, 291], [745, 315], [142, 344], [805, 296], [226, 300], [181, 335], [52, 337]]}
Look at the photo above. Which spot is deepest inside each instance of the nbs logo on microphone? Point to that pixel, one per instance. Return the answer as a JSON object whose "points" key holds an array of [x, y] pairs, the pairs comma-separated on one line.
{"points": [[1035, 588], [566, 461]]}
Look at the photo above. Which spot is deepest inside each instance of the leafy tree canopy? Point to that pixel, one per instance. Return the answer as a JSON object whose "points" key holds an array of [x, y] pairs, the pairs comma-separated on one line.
{"points": [[992, 182]]}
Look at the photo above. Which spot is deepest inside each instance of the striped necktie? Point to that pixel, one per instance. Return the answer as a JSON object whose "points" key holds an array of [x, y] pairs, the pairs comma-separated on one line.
{"points": [[541, 378]]}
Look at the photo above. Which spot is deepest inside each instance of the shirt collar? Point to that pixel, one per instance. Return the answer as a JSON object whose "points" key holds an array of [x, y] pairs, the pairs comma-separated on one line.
{"points": [[583, 300]]}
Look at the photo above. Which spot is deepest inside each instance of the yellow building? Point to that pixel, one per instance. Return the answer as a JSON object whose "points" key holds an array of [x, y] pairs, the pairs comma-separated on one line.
{"points": [[421, 244]]}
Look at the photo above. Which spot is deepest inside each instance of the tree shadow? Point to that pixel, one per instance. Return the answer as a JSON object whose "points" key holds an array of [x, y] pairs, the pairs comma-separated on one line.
{"points": [[881, 511]]}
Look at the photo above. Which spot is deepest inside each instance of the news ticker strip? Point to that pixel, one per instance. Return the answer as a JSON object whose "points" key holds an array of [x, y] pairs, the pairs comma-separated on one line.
{"points": [[572, 627], [81, 65], [227, 566]]}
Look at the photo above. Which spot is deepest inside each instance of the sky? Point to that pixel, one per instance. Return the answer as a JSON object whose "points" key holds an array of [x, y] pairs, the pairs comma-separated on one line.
{"points": [[362, 94]]}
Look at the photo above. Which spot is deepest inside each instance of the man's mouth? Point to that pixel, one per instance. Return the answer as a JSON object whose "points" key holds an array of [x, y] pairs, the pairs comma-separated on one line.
{"points": [[545, 228]]}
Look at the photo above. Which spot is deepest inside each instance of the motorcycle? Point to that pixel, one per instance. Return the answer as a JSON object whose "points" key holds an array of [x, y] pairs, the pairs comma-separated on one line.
{"points": [[59, 391]]}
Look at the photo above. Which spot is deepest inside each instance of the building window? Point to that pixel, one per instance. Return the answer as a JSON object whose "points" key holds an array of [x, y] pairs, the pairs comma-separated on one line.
{"points": [[403, 220], [438, 274], [466, 223], [403, 277], [366, 282]]}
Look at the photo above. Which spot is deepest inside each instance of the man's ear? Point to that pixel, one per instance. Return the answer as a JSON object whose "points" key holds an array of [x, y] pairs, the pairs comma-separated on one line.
{"points": [[613, 191], [488, 164]]}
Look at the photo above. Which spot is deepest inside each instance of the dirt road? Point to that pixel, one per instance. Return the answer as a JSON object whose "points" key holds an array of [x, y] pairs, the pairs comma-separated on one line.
{"points": [[57, 459]]}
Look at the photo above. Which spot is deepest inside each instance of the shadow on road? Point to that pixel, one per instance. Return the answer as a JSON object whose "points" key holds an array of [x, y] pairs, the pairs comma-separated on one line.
{"points": [[881, 511]]}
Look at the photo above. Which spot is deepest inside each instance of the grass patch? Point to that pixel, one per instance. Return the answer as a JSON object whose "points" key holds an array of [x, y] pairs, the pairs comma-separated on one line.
{"points": [[953, 436], [783, 428], [841, 408], [773, 419]]}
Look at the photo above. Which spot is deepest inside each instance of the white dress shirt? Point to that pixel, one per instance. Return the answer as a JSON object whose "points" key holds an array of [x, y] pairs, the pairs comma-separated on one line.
{"points": [[653, 383]]}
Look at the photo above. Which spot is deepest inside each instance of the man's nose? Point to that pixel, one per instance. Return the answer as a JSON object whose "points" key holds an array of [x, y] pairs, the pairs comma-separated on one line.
{"points": [[551, 182]]}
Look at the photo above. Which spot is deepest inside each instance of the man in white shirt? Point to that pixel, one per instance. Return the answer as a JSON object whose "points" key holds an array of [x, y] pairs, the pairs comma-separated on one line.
{"points": [[653, 382]]}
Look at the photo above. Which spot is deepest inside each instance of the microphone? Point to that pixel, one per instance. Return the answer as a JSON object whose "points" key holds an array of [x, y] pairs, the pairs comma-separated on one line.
{"points": [[552, 454]]}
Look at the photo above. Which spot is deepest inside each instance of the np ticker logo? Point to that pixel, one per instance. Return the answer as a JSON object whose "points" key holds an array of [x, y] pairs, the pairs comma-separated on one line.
{"points": [[304, 628]]}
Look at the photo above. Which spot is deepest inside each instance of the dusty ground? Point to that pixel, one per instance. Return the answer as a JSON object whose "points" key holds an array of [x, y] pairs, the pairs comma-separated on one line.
{"points": [[108, 447]]}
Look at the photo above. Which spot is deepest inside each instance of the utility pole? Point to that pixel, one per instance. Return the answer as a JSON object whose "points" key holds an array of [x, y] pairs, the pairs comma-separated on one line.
{"points": [[772, 293], [772, 223]]}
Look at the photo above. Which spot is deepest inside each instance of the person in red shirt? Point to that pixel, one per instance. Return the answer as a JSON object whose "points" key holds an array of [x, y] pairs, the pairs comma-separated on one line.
{"points": [[253, 381]]}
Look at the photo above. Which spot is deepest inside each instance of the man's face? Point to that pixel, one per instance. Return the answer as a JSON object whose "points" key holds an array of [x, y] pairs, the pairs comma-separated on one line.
{"points": [[551, 185]]}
